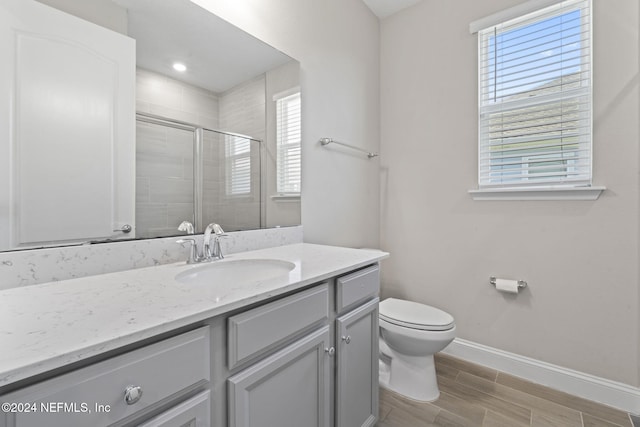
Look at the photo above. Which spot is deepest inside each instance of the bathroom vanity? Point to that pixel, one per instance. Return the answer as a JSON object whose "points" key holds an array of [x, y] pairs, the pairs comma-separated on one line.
{"points": [[295, 346]]}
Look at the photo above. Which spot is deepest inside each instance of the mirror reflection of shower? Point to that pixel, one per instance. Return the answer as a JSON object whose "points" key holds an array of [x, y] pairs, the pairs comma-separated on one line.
{"points": [[186, 172]]}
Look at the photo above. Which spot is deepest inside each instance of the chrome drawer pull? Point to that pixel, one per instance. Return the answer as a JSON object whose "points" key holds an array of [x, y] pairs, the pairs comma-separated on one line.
{"points": [[331, 351], [132, 394], [347, 339]]}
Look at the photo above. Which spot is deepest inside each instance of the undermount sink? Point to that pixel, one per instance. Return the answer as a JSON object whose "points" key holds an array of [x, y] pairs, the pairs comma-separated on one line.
{"points": [[236, 271]]}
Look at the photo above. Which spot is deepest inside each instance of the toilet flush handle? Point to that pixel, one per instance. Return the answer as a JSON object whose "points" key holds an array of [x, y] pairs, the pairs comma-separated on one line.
{"points": [[347, 339]]}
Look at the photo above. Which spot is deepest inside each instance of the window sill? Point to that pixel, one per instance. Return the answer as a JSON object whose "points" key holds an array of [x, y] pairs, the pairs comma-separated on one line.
{"points": [[285, 197], [549, 193]]}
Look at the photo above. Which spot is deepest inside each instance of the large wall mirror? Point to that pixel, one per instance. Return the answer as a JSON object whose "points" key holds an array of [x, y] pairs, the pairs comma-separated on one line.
{"points": [[126, 117]]}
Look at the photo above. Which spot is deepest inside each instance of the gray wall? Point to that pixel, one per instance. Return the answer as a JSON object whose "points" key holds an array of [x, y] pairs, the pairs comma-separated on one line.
{"points": [[580, 258]]}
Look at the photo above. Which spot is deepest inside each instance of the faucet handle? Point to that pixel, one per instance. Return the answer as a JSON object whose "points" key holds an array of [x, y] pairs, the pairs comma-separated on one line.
{"points": [[219, 232], [193, 250]]}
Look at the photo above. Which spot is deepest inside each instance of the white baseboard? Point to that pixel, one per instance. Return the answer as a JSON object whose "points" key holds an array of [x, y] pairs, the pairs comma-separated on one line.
{"points": [[607, 392]]}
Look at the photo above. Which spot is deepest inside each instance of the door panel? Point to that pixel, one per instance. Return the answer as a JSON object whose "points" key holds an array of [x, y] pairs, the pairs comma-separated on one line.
{"points": [[289, 389], [67, 137], [357, 367]]}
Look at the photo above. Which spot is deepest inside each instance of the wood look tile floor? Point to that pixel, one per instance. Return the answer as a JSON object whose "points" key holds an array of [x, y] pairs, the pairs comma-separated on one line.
{"points": [[475, 396]]}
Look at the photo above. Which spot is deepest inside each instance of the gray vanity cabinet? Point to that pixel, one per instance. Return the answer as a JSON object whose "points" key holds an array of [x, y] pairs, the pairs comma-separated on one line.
{"points": [[306, 359], [291, 388], [357, 367], [325, 373]]}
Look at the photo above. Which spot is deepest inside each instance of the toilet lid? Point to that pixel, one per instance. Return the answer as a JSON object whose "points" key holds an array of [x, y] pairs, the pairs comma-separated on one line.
{"points": [[415, 315]]}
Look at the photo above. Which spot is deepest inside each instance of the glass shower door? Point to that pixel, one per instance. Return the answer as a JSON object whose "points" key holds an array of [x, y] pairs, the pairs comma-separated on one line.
{"points": [[232, 190], [164, 179]]}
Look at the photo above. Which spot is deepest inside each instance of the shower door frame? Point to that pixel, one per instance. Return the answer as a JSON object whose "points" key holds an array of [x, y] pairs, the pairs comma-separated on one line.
{"points": [[198, 161]]}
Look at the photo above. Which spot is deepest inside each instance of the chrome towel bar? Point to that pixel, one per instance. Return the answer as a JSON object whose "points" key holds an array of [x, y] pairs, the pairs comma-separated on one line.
{"points": [[327, 141]]}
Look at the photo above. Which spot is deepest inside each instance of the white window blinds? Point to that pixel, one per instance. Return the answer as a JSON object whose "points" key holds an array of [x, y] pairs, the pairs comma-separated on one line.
{"points": [[288, 139], [238, 165], [535, 99]]}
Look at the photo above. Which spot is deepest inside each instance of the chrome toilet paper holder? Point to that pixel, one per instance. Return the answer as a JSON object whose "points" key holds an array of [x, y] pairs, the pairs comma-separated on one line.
{"points": [[521, 283]]}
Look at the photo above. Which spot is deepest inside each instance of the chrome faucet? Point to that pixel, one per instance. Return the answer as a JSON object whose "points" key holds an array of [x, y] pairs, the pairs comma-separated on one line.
{"points": [[209, 252], [213, 252], [186, 226]]}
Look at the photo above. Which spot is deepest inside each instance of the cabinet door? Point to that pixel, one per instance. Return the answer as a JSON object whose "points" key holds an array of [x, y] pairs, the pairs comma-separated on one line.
{"points": [[288, 389], [357, 367], [194, 412]]}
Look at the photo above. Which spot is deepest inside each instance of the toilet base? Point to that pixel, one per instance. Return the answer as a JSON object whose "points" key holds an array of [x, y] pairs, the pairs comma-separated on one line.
{"points": [[412, 377]]}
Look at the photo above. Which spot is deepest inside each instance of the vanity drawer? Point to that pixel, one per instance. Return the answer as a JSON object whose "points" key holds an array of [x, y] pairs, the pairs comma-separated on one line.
{"points": [[266, 327], [194, 412], [357, 287], [95, 395]]}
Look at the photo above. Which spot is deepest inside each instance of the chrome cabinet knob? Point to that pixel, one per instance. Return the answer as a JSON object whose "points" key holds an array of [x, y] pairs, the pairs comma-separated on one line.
{"points": [[132, 394], [347, 339], [330, 351]]}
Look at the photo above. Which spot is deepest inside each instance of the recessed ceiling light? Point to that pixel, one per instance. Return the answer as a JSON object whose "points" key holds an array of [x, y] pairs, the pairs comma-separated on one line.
{"points": [[179, 67]]}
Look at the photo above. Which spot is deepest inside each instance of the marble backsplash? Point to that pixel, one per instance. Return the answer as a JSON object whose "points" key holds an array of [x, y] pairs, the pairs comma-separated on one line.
{"points": [[30, 267]]}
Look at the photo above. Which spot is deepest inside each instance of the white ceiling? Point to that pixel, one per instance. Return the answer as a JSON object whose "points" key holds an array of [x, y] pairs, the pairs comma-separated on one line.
{"points": [[217, 54], [384, 8]]}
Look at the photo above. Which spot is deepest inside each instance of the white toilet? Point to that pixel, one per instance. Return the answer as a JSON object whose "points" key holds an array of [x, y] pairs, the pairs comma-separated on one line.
{"points": [[411, 333]]}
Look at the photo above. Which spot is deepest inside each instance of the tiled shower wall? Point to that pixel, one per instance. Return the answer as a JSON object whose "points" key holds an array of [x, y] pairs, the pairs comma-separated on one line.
{"points": [[242, 108], [163, 96], [164, 179]]}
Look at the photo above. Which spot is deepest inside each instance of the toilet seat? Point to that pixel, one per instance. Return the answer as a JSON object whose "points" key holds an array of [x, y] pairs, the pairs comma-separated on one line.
{"points": [[414, 315]]}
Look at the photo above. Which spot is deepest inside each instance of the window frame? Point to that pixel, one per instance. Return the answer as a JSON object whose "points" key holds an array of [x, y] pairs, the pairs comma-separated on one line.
{"points": [[283, 194], [530, 190]]}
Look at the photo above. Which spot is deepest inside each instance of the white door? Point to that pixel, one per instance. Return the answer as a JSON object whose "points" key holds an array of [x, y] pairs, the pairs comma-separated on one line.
{"points": [[67, 128]]}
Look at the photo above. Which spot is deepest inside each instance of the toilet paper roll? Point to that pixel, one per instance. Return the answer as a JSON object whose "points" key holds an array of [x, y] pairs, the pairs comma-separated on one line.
{"points": [[508, 286]]}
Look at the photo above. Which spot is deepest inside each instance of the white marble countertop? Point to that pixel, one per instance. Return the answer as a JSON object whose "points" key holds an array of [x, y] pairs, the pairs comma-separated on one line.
{"points": [[46, 326]]}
